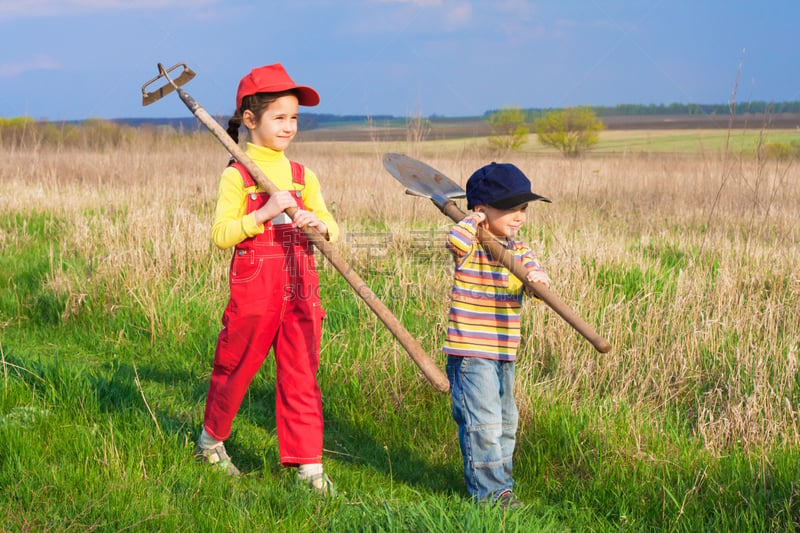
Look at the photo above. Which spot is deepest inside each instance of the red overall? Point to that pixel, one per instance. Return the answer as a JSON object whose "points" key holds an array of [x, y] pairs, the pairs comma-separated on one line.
{"points": [[275, 304]]}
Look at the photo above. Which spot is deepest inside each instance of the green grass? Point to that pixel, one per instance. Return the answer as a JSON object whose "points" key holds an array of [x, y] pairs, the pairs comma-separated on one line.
{"points": [[659, 141], [101, 402], [692, 141]]}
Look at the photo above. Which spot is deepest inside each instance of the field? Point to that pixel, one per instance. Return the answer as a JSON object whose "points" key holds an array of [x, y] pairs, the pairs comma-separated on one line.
{"points": [[683, 253], [638, 125]]}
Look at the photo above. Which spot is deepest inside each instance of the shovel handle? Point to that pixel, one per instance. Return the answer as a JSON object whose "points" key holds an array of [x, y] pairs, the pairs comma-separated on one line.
{"points": [[432, 373], [539, 290]]}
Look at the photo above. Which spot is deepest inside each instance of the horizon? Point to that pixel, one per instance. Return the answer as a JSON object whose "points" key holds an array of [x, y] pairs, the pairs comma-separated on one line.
{"points": [[605, 112]]}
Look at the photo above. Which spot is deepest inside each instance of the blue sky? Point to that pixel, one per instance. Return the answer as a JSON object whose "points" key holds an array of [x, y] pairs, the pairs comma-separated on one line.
{"points": [[77, 59]]}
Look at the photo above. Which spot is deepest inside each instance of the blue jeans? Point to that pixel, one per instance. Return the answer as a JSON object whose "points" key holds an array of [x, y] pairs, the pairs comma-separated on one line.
{"points": [[482, 391]]}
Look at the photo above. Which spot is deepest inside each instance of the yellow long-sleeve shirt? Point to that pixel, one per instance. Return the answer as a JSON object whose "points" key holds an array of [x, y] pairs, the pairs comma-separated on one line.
{"points": [[232, 223]]}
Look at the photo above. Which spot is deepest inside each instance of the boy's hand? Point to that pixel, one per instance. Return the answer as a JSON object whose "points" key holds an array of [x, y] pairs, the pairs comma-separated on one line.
{"points": [[537, 276]]}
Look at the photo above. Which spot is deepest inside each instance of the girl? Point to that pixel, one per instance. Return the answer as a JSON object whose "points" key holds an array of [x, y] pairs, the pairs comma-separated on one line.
{"points": [[274, 287]]}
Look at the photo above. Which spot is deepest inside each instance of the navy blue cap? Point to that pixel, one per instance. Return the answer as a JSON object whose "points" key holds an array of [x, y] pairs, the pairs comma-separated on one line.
{"points": [[500, 185]]}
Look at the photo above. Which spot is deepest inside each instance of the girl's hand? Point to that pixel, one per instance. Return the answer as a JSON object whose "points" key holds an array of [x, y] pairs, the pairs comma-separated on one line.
{"points": [[276, 204], [480, 218], [537, 276], [303, 218]]}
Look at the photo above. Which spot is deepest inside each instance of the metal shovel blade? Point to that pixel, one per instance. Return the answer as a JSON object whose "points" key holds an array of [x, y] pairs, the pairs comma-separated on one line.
{"points": [[420, 179], [186, 75]]}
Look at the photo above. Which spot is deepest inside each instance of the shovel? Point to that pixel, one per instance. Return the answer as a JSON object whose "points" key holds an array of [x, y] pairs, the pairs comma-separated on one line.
{"points": [[420, 179], [432, 372]]}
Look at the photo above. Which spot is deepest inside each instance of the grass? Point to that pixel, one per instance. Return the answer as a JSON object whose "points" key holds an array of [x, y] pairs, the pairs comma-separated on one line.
{"points": [[625, 142], [691, 141], [110, 305]]}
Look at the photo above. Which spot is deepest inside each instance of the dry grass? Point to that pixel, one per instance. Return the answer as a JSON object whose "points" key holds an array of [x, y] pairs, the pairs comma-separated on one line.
{"points": [[687, 264]]}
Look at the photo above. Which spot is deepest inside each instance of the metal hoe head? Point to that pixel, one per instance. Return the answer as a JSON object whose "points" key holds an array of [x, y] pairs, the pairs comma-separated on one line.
{"points": [[186, 75], [420, 179]]}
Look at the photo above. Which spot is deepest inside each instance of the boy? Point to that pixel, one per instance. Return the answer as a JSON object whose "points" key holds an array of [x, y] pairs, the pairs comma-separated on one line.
{"points": [[483, 329]]}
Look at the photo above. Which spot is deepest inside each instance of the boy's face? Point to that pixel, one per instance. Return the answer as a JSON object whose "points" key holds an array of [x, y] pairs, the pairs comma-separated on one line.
{"points": [[504, 222]]}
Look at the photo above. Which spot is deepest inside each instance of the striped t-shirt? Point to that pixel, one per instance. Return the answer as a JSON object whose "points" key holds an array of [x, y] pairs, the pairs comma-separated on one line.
{"points": [[486, 297]]}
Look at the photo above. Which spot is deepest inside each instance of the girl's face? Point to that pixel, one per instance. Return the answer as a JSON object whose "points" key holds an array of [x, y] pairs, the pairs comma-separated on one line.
{"points": [[505, 222], [277, 126]]}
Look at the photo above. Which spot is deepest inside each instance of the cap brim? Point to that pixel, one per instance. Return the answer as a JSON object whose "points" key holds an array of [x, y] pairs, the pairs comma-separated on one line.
{"points": [[519, 199], [306, 96]]}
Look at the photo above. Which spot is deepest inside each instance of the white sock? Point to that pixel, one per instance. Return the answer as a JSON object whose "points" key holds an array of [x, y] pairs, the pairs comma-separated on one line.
{"points": [[306, 471], [206, 441]]}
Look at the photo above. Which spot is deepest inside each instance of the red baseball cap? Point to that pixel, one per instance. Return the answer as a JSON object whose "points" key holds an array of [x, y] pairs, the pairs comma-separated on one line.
{"points": [[273, 79]]}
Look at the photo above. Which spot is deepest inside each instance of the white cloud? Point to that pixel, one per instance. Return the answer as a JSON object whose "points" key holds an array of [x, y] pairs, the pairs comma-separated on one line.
{"points": [[457, 15], [418, 3], [20, 9], [423, 16], [520, 7], [37, 62]]}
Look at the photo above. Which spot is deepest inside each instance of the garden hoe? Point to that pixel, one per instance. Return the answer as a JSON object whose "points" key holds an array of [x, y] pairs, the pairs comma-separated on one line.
{"points": [[420, 179], [432, 372]]}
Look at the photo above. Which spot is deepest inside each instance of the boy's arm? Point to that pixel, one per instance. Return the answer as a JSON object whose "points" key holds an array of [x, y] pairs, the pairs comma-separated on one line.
{"points": [[536, 272], [462, 237]]}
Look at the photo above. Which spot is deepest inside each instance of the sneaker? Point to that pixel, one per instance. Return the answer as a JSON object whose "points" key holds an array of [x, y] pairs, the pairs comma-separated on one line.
{"points": [[218, 458], [508, 500], [320, 483]]}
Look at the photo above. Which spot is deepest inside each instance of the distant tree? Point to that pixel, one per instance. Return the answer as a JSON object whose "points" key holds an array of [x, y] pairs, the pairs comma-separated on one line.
{"points": [[509, 130], [779, 150], [572, 130]]}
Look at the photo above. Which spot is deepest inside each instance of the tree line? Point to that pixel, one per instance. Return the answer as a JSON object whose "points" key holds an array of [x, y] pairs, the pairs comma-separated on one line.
{"points": [[758, 107], [575, 130]]}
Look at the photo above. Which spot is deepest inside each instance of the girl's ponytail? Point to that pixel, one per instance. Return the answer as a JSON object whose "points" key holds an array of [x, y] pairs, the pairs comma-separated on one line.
{"points": [[234, 123]]}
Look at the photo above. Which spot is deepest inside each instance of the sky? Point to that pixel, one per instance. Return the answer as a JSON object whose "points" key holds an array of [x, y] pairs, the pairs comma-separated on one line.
{"points": [[79, 59]]}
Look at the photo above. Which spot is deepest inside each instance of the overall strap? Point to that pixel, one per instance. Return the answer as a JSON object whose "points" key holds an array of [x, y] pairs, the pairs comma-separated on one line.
{"points": [[298, 173], [246, 177]]}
